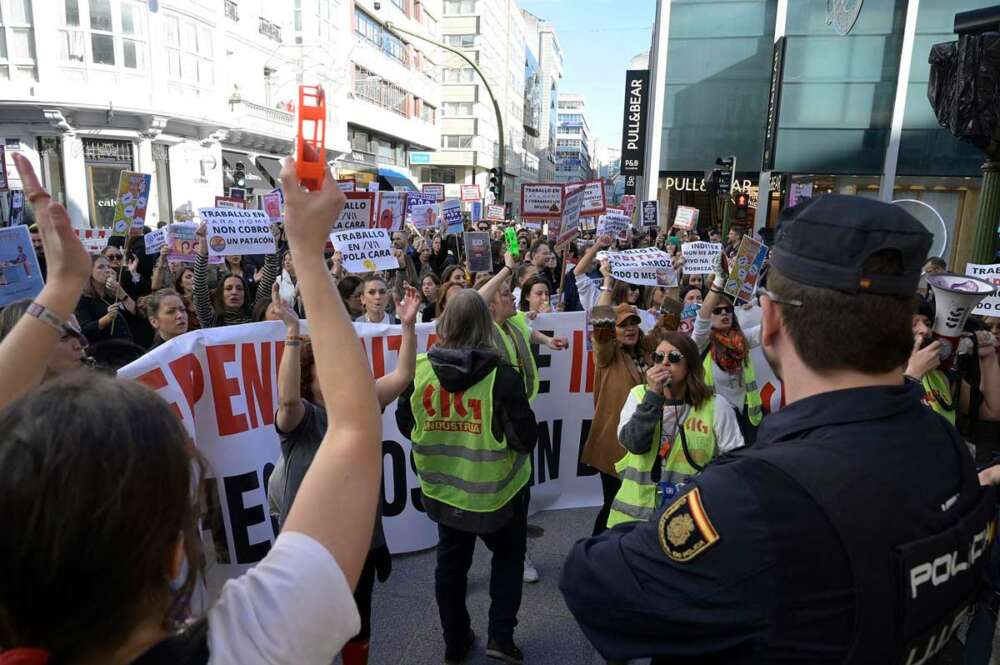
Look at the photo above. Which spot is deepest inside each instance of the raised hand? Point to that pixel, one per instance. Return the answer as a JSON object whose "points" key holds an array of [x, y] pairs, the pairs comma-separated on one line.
{"points": [[409, 306], [309, 216]]}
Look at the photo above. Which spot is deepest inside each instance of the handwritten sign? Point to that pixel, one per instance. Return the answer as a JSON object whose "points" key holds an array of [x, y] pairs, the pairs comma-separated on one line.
{"points": [[650, 214], [424, 215], [154, 241], [686, 218], [237, 231], [541, 201], [647, 266], [990, 305], [744, 270], [358, 212], [365, 250], [614, 223], [699, 257], [133, 197], [570, 227], [435, 189], [471, 193]]}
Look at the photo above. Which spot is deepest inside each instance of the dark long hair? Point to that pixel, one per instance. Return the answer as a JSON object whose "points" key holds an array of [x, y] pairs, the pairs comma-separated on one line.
{"points": [[697, 391], [94, 502], [526, 290], [218, 295]]}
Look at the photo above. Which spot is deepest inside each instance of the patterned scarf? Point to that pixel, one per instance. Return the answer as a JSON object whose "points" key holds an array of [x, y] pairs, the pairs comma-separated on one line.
{"points": [[729, 349]]}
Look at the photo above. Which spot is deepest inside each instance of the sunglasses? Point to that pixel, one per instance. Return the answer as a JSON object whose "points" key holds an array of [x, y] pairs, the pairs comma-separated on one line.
{"points": [[723, 309], [673, 357], [113, 257]]}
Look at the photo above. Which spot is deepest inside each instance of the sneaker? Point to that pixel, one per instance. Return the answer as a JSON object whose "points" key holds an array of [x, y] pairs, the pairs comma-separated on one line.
{"points": [[505, 651], [530, 572], [457, 655]]}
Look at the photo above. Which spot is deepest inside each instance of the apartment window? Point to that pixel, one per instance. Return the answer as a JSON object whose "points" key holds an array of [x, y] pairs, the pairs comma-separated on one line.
{"points": [[427, 113], [361, 142], [232, 10], [401, 4], [459, 7], [17, 41], [189, 51], [375, 89], [456, 141], [114, 30], [373, 31], [461, 41], [459, 75], [431, 23], [449, 109]]}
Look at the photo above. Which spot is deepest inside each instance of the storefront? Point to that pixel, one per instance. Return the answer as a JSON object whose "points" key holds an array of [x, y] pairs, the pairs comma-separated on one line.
{"points": [[104, 160]]}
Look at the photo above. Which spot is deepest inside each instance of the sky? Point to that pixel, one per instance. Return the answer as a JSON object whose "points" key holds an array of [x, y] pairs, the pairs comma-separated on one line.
{"points": [[599, 38]]}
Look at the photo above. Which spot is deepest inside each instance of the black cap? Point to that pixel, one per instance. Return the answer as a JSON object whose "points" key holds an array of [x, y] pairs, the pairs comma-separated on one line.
{"points": [[825, 242]]}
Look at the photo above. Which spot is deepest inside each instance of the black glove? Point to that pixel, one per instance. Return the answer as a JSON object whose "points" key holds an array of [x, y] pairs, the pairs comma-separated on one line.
{"points": [[383, 562]]}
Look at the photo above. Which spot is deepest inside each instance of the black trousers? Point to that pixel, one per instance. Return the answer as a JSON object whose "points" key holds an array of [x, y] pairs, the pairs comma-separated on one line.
{"points": [[454, 558], [609, 486], [363, 598], [747, 429]]}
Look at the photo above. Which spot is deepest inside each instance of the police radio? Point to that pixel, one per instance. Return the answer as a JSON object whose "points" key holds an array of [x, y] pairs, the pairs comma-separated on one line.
{"points": [[955, 296]]}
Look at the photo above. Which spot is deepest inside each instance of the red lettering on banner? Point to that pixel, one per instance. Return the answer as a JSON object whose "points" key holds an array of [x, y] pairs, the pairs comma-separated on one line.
{"points": [[190, 376], [224, 388], [155, 379], [257, 382], [577, 366], [378, 358]]}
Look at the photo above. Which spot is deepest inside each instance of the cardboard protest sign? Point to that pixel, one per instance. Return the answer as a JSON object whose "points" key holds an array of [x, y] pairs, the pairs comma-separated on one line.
{"points": [[417, 198], [391, 210], [594, 200], [650, 214], [688, 315], [471, 193], [451, 216], [614, 223], [133, 196], [93, 240], [628, 204], [237, 231], [346, 184], [358, 212], [20, 276], [4, 185], [435, 189], [494, 213], [478, 251], [541, 201], [744, 270], [365, 250], [16, 207], [570, 222], [183, 241], [686, 218], [274, 206], [699, 257], [229, 202], [990, 305], [648, 266], [155, 240], [424, 215]]}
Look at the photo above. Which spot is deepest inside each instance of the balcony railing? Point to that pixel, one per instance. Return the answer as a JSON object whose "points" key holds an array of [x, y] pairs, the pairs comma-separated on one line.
{"points": [[232, 10], [269, 30], [262, 112]]}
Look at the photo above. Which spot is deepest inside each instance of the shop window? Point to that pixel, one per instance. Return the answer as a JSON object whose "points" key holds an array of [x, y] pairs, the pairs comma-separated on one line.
{"points": [[161, 168]]}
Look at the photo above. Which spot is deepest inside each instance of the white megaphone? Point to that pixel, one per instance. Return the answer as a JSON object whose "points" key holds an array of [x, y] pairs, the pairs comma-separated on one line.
{"points": [[955, 296]]}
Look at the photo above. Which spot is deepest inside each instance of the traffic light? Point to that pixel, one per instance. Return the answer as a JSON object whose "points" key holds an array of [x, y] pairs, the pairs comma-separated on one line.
{"points": [[495, 184], [742, 206], [240, 175], [728, 167]]}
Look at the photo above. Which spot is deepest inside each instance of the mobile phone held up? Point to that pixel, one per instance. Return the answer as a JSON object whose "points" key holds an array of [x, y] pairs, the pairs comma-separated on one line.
{"points": [[310, 152]]}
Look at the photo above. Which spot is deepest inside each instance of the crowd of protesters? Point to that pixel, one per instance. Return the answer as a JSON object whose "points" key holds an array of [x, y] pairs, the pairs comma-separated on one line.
{"points": [[80, 592]]}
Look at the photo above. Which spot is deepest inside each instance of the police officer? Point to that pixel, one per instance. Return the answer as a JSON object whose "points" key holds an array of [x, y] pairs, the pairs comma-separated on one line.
{"points": [[856, 530], [473, 432]]}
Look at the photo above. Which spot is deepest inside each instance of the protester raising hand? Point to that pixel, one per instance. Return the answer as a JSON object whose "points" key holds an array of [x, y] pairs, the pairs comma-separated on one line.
{"points": [[25, 351]]}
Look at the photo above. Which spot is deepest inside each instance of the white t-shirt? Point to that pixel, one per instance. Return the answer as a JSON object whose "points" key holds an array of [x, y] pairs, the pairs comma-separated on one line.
{"points": [[725, 426], [292, 608], [729, 386]]}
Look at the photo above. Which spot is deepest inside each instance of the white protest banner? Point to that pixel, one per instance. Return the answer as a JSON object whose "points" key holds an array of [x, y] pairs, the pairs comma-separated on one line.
{"points": [[594, 200], [647, 265], [391, 210], [365, 250], [699, 257], [541, 201], [650, 214], [990, 305], [451, 217], [223, 384], [494, 213], [233, 231], [614, 223], [358, 212], [686, 218], [570, 228], [435, 189], [744, 270], [93, 240], [471, 193], [20, 276], [154, 241], [424, 215]]}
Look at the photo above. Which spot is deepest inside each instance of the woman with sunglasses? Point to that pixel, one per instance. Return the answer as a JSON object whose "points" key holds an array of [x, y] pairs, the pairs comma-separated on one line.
{"points": [[69, 354], [728, 365], [671, 428]]}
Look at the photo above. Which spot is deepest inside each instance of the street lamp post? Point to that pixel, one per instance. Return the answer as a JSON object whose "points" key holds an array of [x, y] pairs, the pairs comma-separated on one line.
{"points": [[389, 25]]}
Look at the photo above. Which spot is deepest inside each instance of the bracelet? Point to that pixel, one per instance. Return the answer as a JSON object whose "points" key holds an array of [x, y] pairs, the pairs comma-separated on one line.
{"points": [[42, 313], [292, 343], [715, 290], [293, 338]]}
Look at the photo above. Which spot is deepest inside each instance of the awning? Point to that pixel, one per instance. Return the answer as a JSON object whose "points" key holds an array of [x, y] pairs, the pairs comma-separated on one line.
{"points": [[254, 178], [272, 167], [400, 181]]}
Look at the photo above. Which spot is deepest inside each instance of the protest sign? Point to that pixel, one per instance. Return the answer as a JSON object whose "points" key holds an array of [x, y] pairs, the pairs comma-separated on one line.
{"points": [[424, 215], [990, 305], [4, 185], [238, 194], [699, 257], [541, 201], [570, 222], [237, 231], [154, 241], [93, 240], [650, 214], [494, 213], [273, 206], [471, 193], [628, 204], [183, 241], [435, 189], [478, 251], [688, 315], [451, 216], [223, 384], [20, 276], [358, 212], [346, 184], [417, 198], [229, 202], [744, 270], [391, 209], [648, 266], [130, 210], [686, 218], [16, 207], [365, 250], [588, 223], [594, 201], [373, 186], [615, 223], [475, 211]]}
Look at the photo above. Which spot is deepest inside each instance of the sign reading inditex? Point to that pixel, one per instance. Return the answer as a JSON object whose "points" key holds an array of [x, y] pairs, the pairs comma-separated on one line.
{"points": [[634, 122]]}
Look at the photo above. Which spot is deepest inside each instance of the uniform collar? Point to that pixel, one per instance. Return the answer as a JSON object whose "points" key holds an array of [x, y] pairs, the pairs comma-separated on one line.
{"points": [[840, 407]]}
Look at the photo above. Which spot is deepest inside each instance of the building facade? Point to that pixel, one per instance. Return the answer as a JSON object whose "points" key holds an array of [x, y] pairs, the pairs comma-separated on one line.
{"points": [[543, 43], [573, 140], [852, 116]]}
